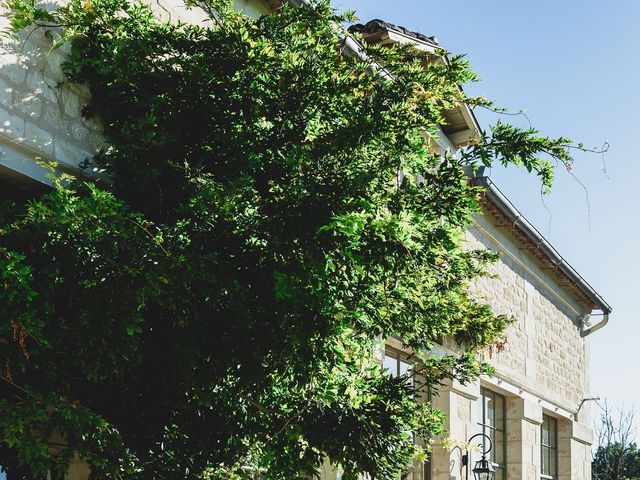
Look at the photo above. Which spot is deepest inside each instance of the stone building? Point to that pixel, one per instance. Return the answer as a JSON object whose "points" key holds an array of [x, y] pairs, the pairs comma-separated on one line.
{"points": [[534, 408]]}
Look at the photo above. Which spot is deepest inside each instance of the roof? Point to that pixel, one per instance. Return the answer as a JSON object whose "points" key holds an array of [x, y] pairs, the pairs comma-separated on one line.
{"points": [[509, 217], [494, 201], [377, 25], [461, 126]]}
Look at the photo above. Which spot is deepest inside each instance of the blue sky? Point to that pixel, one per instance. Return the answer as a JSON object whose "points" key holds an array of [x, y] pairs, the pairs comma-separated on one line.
{"points": [[573, 66]]}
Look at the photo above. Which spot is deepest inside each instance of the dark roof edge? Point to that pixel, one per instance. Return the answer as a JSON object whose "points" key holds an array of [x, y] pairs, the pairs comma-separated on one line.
{"points": [[500, 200], [376, 25]]}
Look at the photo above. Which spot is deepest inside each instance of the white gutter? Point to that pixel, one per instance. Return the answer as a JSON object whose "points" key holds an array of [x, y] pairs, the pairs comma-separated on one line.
{"points": [[495, 196], [596, 327]]}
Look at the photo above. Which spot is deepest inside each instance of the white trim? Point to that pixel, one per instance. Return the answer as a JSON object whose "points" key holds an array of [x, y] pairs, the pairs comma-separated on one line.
{"points": [[400, 37], [495, 382]]}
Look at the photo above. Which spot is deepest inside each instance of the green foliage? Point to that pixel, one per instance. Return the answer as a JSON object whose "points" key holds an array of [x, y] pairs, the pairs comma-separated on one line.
{"points": [[510, 145], [617, 456], [616, 462], [216, 311]]}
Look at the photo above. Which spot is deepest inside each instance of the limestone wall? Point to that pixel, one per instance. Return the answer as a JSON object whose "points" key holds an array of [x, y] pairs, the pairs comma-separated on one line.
{"points": [[523, 419], [545, 362], [40, 113], [543, 368], [544, 352]]}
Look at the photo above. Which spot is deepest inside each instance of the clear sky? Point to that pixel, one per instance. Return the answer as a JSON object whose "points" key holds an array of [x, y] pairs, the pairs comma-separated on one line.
{"points": [[573, 65]]}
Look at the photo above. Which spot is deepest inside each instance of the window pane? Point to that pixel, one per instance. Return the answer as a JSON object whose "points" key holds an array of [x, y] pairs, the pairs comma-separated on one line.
{"points": [[404, 367], [492, 423], [427, 468], [553, 468], [552, 432], [489, 411], [391, 364], [492, 435], [548, 449], [545, 430]]}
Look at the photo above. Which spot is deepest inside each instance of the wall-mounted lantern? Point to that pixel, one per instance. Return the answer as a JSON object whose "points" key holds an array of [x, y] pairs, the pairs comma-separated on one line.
{"points": [[483, 469]]}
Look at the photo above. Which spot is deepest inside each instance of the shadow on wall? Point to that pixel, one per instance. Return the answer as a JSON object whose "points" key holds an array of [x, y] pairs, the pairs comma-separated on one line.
{"points": [[40, 111]]}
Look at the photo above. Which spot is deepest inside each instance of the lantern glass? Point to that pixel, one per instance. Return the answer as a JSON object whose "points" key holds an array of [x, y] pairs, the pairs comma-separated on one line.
{"points": [[484, 470]]}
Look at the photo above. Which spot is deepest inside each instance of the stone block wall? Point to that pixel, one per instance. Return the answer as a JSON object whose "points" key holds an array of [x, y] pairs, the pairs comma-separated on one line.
{"points": [[524, 415], [40, 113], [544, 351], [543, 368]]}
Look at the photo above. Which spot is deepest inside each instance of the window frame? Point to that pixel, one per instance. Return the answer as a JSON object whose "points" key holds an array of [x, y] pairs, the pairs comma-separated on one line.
{"points": [[487, 429], [551, 447], [400, 357]]}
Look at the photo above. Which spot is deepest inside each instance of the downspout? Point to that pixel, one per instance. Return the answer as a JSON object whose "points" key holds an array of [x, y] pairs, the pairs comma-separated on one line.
{"points": [[596, 327]]}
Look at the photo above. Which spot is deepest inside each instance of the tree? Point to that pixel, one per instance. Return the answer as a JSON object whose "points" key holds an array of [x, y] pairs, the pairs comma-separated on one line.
{"points": [[617, 456], [214, 309]]}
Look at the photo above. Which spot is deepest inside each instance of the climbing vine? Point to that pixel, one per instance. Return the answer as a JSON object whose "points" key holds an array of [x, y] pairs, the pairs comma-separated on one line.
{"points": [[214, 307]]}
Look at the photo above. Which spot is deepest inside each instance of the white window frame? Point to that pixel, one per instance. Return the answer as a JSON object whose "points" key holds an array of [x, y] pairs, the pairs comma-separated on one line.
{"points": [[552, 447], [485, 428]]}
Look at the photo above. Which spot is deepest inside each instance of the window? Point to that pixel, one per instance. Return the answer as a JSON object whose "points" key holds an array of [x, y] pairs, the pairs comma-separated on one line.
{"points": [[549, 448], [396, 363], [427, 468], [491, 415]]}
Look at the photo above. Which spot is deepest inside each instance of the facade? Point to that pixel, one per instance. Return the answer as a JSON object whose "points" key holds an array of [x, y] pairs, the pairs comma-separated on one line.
{"points": [[534, 408]]}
